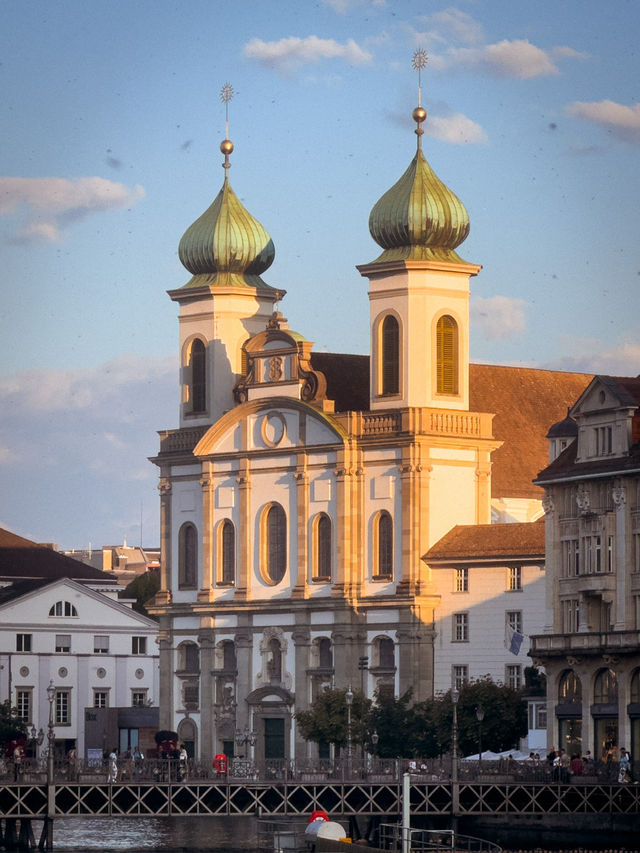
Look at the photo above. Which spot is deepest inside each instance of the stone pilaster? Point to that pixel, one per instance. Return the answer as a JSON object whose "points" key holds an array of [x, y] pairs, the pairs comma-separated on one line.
{"points": [[243, 561], [300, 572], [302, 643], [206, 639], [165, 699], [208, 545], [163, 596]]}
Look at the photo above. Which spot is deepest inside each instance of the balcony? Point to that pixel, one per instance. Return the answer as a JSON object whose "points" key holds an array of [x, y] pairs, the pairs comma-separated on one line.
{"points": [[614, 643]]}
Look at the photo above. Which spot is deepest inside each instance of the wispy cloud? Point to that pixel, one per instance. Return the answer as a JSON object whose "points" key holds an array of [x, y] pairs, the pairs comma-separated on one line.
{"points": [[44, 207], [342, 7], [498, 317], [619, 120], [288, 54], [595, 356], [452, 25], [455, 128]]}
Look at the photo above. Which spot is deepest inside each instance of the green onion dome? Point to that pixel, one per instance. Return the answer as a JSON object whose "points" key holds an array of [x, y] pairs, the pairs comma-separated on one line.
{"points": [[226, 246], [419, 218]]}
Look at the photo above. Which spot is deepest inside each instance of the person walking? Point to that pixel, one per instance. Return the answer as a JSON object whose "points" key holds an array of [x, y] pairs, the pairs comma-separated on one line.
{"points": [[624, 766]]}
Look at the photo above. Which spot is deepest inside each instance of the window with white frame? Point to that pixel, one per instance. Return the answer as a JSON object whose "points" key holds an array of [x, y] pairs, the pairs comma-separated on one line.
{"points": [[570, 615], [63, 708], [513, 619], [23, 642], [603, 440], [138, 698], [592, 554], [138, 645], [63, 642], [610, 554], [513, 676], [100, 699], [537, 716], [514, 578], [461, 580], [459, 676], [570, 558], [23, 705], [461, 627], [63, 608], [101, 644]]}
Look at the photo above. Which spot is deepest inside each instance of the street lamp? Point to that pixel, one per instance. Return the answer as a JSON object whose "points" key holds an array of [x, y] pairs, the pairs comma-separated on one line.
{"points": [[375, 737], [51, 735], [480, 718], [245, 737], [36, 738], [348, 697]]}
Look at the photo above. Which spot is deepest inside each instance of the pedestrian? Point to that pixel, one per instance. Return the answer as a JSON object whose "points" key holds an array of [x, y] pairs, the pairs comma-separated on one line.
{"points": [[577, 765], [71, 758], [112, 774], [138, 758], [17, 762], [624, 766], [183, 759]]}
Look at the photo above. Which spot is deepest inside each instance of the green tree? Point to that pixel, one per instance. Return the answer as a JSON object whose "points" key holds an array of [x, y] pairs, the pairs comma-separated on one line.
{"points": [[326, 720], [142, 588], [391, 719], [11, 725]]}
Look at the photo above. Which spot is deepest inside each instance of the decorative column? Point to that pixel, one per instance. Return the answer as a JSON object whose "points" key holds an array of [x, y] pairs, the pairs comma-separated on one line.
{"points": [[206, 481], [302, 643], [244, 684], [409, 525], [206, 640], [163, 596], [301, 571], [165, 699], [243, 560], [622, 543]]}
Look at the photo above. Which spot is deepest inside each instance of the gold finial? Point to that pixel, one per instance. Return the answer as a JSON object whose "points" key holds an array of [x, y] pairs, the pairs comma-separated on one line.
{"points": [[419, 114], [226, 146]]}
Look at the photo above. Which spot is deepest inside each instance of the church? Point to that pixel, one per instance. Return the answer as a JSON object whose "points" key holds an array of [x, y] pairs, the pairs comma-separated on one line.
{"points": [[302, 491]]}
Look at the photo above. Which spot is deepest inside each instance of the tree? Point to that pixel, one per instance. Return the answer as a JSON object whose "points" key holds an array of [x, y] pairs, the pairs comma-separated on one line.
{"points": [[326, 720], [391, 718], [505, 717], [142, 588], [12, 727]]}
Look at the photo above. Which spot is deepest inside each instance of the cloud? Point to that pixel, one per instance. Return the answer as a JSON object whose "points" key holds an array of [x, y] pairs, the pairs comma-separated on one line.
{"points": [[455, 128], [453, 24], [596, 357], [344, 6], [498, 317], [47, 206], [517, 59], [621, 121], [290, 53]]}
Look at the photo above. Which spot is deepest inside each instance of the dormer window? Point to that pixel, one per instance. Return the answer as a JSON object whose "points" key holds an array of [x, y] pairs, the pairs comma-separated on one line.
{"points": [[603, 440]]}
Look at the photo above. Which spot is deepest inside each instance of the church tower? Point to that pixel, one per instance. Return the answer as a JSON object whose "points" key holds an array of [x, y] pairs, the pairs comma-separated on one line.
{"points": [[419, 290], [224, 303]]}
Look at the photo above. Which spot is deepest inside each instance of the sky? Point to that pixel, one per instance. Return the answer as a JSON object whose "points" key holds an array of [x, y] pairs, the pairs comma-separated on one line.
{"points": [[111, 121]]}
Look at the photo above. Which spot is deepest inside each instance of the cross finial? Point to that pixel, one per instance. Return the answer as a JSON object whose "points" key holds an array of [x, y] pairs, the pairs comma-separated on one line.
{"points": [[419, 62], [226, 93]]}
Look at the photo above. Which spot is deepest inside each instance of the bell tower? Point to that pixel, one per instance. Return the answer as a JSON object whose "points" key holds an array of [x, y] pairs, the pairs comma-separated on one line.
{"points": [[419, 289]]}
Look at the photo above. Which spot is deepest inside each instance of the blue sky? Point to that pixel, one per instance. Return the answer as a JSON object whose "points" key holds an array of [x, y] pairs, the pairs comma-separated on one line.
{"points": [[112, 121]]}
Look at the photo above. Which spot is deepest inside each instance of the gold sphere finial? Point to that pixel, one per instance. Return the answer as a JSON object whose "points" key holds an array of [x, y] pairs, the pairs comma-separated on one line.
{"points": [[226, 146]]}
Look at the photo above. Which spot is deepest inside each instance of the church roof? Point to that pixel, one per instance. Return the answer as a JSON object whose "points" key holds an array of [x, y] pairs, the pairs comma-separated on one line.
{"points": [[525, 402], [489, 542]]}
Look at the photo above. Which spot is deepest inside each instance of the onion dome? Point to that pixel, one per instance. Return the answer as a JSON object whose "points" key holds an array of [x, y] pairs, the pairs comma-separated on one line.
{"points": [[419, 218], [226, 246]]}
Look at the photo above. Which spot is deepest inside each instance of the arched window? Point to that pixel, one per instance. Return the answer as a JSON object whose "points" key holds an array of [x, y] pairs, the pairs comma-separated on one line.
{"points": [[198, 373], [386, 653], [383, 561], [447, 355], [390, 340], [227, 553], [189, 657], [605, 688], [635, 686], [325, 653], [276, 543], [63, 608], [187, 556], [274, 662], [323, 549], [569, 688]]}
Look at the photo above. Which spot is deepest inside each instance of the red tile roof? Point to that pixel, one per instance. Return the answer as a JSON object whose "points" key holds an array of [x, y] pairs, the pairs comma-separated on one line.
{"points": [[488, 543]]}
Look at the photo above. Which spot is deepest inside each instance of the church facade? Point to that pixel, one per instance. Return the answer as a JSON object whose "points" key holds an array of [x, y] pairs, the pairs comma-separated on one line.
{"points": [[302, 490]]}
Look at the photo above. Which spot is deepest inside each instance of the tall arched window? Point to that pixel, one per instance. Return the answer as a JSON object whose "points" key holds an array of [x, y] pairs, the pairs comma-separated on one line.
{"points": [[390, 340], [227, 553], [323, 548], [325, 654], [386, 653], [383, 559], [275, 552], [229, 663], [198, 372], [447, 355], [605, 688], [187, 556], [569, 688]]}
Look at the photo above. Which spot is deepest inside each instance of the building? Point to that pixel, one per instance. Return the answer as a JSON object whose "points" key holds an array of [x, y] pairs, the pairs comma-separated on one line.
{"points": [[590, 647], [61, 622], [302, 490]]}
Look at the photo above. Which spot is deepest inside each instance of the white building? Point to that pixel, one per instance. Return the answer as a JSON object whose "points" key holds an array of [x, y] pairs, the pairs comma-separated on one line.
{"points": [[99, 653]]}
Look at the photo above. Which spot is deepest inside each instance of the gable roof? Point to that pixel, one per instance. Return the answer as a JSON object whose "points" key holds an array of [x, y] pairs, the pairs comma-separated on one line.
{"points": [[22, 560], [488, 543], [525, 401]]}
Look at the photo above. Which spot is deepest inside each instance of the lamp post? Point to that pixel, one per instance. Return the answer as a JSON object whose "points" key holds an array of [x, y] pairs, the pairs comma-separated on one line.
{"points": [[480, 718], [243, 738], [348, 698], [51, 735]]}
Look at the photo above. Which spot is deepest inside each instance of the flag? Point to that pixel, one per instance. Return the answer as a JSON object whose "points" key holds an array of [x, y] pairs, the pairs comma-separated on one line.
{"points": [[512, 639]]}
